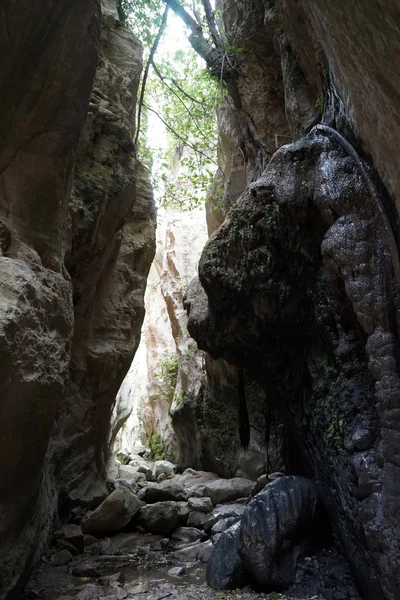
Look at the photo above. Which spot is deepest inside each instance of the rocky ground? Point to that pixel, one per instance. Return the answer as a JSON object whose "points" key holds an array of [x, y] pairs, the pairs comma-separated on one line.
{"points": [[152, 540]]}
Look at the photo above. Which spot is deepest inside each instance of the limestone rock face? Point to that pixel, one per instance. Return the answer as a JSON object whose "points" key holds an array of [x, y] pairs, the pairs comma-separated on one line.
{"points": [[44, 99], [167, 370], [112, 224], [76, 239]]}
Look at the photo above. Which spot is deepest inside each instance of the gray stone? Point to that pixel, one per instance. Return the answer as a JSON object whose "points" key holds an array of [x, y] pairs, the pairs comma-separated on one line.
{"points": [[164, 466], [223, 512], [156, 493], [177, 571], [188, 534], [200, 504], [161, 517], [226, 490], [197, 519], [225, 569], [113, 514], [223, 525], [279, 525]]}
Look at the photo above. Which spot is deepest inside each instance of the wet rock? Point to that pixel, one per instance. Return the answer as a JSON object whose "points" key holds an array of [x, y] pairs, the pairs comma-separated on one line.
{"points": [[193, 552], [113, 514], [188, 534], [223, 512], [161, 477], [226, 490], [225, 569], [205, 551], [200, 504], [160, 517], [363, 438], [280, 524], [197, 519], [260, 484], [164, 466], [61, 558], [223, 525], [156, 493]]}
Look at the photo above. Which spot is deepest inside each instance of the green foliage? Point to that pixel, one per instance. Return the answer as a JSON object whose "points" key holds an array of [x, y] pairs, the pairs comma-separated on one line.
{"points": [[182, 94], [157, 447], [123, 458], [320, 102], [167, 374]]}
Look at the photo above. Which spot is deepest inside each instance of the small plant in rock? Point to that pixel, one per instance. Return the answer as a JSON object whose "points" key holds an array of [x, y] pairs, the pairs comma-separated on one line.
{"points": [[167, 374], [157, 447]]}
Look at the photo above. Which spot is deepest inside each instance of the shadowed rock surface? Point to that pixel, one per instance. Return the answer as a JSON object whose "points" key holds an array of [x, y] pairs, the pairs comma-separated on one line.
{"points": [[77, 229]]}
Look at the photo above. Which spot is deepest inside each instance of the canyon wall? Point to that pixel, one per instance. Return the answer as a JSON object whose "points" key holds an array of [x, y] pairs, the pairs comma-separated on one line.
{"points": [[77, 239], [298, 288]]}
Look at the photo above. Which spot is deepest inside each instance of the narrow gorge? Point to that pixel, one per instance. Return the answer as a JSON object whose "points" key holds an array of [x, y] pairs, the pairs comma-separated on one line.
{"points": [[200, 403]]}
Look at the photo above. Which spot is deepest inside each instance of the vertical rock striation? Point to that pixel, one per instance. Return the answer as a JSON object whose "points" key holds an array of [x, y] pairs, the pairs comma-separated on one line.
{"points": [[74, 255]]}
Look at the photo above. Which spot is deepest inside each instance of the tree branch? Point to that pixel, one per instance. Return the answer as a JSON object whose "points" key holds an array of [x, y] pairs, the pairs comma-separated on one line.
{"points": [[212, 55], [182, 139], [195, 121], [212, 24], [146, 71]]}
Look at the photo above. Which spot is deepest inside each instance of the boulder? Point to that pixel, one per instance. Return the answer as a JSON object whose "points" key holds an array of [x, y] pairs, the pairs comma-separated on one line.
{"points": [[156, 493], [223, 512], [193, 552], [113, 514], [223, 525], [184, 512], [225, 569], [197, 519], [131, 484], [188, 534], [200, 504], [227, 490], [160, 517], [127, 472], [280, 524], [163, 466]]}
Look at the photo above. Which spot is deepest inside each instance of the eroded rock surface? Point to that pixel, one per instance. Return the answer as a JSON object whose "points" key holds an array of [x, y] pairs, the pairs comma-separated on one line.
{"points": [[76, 237]]}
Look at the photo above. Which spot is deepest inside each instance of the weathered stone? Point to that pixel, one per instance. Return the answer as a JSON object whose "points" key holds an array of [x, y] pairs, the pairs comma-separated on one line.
{"points": [[225, 569], [223, 512], [113, 514], [200, 504], [161, 517], [164, 466], [188, 534], [223, 524], [196, 519], [281, 523], [155, 493], [226, 490]]}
